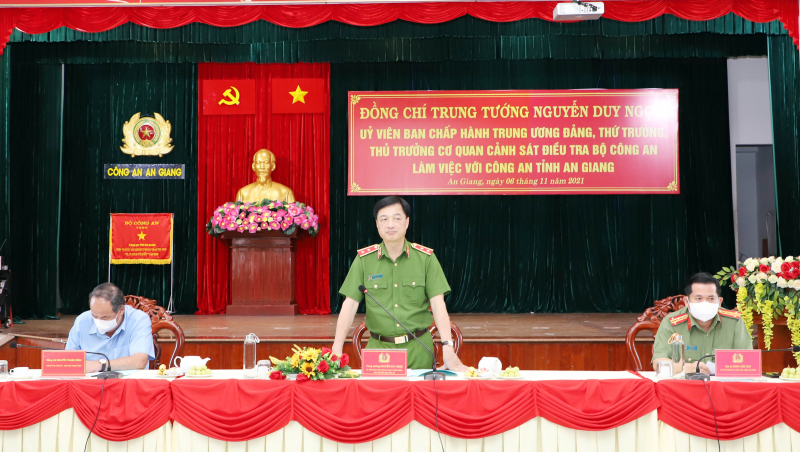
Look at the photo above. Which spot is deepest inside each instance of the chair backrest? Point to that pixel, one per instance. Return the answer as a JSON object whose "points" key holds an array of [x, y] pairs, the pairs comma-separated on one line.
{"points": [[159, 320], [651, 320], [455, 333]]}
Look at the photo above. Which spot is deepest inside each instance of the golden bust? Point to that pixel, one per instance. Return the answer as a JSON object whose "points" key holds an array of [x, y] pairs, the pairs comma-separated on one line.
{"points": [[264, 187]]}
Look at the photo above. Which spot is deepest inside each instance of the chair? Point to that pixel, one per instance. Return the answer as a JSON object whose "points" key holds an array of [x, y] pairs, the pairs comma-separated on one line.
{"points": [[455, 332], [651, 320], [160, 321]]}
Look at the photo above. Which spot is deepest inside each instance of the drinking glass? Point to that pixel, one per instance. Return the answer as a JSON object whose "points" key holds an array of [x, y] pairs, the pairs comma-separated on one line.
{"points": [[263, 368], [3, 369], [664, 369]]}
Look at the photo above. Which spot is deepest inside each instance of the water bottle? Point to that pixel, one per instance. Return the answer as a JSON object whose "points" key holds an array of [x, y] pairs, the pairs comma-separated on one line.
{"points": [[249, 360], [677, 356]]}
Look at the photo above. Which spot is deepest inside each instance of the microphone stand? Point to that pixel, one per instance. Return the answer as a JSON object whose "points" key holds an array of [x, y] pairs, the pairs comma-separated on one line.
{"points": [[432, 375], [102, 375]]}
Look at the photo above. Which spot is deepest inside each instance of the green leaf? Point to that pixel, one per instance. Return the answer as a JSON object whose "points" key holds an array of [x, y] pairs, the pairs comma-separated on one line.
{"points": [[290, 230]]}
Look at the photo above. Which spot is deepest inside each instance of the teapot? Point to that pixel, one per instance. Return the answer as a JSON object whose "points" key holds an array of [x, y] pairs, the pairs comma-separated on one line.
{"points": [[186, 362]]}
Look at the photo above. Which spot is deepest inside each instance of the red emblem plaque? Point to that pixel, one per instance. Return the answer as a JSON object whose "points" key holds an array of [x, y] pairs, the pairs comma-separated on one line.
{"points": [[384, 363]]}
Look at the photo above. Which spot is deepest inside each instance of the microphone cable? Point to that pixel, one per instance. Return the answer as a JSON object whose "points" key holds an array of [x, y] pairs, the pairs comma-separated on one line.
{"points": [[714, 411], [436, 415], [102, 390]]}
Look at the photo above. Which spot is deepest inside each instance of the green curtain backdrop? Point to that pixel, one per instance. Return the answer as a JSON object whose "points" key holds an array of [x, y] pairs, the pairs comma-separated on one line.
{"points": [[35, 195], [537, 249], [784, 79], [557, 253], [98, 100]]}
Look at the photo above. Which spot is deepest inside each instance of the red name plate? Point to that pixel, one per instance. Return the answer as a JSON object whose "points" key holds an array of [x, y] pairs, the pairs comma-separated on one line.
{"points": [[521, 142], [738, 363], [384, 363], [63, 363]]}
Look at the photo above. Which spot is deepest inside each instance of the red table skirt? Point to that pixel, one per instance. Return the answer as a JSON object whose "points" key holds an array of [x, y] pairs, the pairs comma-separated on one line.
{"points": [[238, 410]]}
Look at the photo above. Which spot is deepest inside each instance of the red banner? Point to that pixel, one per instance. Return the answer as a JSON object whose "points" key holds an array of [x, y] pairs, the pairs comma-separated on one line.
{"points": [[140, 238], [298, 95], [229, 97], [513, 142]]}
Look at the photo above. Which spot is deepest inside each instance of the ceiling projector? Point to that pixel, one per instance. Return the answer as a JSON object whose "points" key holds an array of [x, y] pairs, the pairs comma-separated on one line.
{"points": [[578, 10]]}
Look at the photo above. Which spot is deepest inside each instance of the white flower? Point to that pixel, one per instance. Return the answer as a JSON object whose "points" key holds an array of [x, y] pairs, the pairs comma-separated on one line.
{"points": [[772, 279], [761, 276], [776, 267], [796, 284], [747, 261], [782, 283], [764, 261], [789, 259], [741, 282], [771, 258], [751, 266], [752, 279]]}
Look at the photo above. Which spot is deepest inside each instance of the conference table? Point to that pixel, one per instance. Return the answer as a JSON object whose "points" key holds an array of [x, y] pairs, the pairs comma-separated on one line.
{"points": [[544, 411]]}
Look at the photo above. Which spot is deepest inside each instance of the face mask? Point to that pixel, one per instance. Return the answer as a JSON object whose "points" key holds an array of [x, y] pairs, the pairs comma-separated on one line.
{"points": [[703, 311], [104, 326]]}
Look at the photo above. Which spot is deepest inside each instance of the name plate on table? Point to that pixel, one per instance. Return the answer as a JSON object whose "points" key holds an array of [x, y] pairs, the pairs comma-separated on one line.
{"points": [[63, 363], [738, 363], [384, 363]]}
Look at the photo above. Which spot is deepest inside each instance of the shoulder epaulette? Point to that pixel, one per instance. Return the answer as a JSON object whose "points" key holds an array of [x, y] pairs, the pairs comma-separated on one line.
{"points": [[422, 249], [678, 319], [368, 250], [729, 313]]}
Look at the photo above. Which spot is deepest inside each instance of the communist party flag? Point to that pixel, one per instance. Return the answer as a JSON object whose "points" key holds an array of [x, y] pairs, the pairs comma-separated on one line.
{"points": [[298, 95], [229, 97], [140, 238]]}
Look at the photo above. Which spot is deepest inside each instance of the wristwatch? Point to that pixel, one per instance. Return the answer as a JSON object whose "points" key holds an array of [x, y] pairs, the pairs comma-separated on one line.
{"points": [[450, 343], [103, 364]]}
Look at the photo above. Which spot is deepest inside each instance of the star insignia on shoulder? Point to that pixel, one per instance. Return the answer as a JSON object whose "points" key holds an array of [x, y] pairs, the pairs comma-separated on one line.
{"points": [[678, 319], [730, 314], [422, 249], [368, 250]]}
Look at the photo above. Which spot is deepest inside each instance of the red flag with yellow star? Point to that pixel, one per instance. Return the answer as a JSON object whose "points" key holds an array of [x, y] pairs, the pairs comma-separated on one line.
{"points": [[140, 238], [298, 95]]}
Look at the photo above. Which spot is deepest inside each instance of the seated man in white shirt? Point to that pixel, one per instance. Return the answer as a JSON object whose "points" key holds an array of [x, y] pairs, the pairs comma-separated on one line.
{"points": [[110, 327]]}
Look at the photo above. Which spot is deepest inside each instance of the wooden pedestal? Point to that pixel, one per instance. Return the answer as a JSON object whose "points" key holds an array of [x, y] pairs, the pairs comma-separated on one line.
{"points": [[262, 273]]}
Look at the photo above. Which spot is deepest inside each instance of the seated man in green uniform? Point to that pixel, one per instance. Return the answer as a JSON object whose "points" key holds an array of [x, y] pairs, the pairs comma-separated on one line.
{"points": [[703, 325], [407, 279]]}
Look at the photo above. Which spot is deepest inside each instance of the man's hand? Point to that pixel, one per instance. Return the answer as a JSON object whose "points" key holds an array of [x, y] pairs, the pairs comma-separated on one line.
{"points": [[451, 360], [93, 366], [693, 367]]}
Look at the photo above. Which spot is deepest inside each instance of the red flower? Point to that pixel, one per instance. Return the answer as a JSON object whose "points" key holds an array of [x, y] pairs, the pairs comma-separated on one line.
{"points": [[323, 366], [733, 278], [325, 351], [277, 375], [302, 377], [786, 267], [345, 360], [795, 273], [763, 268], [334, 358], [742, 271], [796, 265]]}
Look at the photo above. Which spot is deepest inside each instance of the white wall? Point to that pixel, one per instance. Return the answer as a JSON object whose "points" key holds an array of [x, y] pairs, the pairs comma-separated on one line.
{"points": [[749, 113]]}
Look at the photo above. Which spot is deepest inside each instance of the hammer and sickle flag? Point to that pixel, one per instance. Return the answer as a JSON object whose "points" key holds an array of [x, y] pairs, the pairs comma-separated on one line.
{"points": [[298, 95], [229, 97]]}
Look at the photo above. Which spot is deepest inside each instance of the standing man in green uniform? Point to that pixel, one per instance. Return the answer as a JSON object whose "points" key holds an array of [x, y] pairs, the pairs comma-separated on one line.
{"points": [[407, 279], [703, 325]]}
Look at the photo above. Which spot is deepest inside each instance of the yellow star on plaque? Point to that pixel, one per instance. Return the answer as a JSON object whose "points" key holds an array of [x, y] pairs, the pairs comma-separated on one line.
{"points": [[298, 95], [141, 235]]}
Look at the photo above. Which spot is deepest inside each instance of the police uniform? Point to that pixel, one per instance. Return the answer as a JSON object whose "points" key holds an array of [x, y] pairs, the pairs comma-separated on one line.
{"points": [[727, 331], [404, 287]]}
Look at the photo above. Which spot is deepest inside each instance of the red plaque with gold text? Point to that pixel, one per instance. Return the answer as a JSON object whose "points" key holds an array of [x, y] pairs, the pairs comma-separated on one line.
{"points": [[384, 363], [63, 363], [140, 238], [513, 142], [738, 363]]}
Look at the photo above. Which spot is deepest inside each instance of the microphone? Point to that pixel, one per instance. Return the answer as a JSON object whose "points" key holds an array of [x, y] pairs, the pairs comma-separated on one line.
{"points": [[101, 375], [432, 375]]}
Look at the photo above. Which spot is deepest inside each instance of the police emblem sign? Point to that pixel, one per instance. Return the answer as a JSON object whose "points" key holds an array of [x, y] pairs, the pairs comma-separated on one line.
{"points": [[145, 135]]}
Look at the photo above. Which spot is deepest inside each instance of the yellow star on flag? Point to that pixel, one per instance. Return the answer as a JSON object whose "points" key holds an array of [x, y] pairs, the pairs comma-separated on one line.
{"points": [[298, 95], [141, 235]]}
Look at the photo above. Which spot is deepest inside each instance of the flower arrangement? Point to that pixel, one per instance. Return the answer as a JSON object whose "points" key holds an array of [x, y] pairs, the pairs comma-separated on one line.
{"points": [[769, 286], [266, 215], [310, 364]]}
